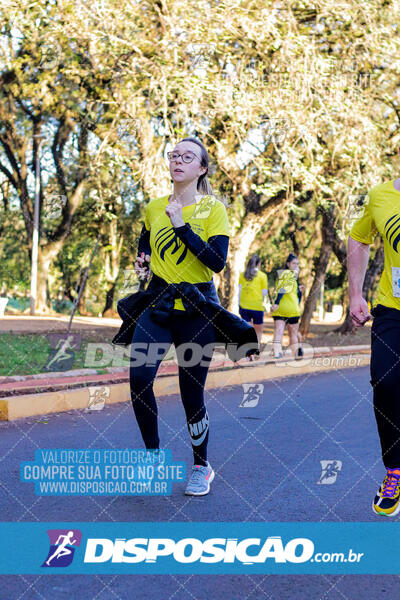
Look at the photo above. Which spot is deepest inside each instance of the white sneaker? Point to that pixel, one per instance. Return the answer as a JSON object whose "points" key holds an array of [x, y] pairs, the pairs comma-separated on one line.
{"points": [[200, 479]]}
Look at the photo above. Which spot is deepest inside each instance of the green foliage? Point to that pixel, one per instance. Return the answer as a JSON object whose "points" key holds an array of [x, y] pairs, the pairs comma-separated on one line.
{"points": [[14, 263]]}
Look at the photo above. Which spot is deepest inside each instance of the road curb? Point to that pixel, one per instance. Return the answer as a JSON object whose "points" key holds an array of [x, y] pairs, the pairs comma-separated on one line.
{"points": [[32, 404], [63, 380]]}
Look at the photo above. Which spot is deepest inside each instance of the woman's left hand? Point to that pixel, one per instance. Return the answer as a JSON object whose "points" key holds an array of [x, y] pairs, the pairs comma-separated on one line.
{"points": [[174, 212]]}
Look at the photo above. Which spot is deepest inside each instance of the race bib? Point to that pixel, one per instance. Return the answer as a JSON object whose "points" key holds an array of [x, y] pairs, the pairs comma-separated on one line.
{"points": [[396, 281]]}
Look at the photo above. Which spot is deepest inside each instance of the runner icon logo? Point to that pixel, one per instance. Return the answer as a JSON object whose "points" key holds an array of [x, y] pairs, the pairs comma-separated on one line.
{"points": [[203, 207], [63, 543], [98, 397], [251, 394], [62, 351], [131, 284], [329, 471]]}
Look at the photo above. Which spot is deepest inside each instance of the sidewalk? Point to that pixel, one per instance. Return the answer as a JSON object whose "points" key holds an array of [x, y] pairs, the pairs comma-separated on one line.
{"points": [[23, 396], [53, 323]]}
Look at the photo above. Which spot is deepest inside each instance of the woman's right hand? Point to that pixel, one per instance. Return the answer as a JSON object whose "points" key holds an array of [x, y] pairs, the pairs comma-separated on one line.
{"points": [[274, 307], [142, 267]]}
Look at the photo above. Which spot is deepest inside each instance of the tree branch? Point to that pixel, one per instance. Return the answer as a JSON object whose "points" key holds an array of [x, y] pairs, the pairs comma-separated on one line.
{"points": [[9, 176], [57, 149]]}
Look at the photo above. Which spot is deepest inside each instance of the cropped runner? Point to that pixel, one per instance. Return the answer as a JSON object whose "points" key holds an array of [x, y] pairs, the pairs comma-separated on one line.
{"points": [[381, 217]]}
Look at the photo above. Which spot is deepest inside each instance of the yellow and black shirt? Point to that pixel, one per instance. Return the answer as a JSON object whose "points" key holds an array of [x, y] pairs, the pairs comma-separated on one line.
{"points": [[382, 216], [171, 256]]}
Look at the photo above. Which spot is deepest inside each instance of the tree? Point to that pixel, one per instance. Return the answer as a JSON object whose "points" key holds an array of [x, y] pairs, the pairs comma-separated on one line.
{"points": [[59, 87], [285, 105]]}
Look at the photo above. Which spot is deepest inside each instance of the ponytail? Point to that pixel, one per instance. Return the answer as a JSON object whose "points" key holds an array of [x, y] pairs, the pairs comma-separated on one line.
{"points": [[252, 267], [203, 184]]}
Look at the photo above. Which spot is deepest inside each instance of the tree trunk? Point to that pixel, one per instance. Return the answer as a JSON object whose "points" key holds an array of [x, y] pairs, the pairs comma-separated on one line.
{"points": [[108, 310], [373, 271], [112, 265], [239, 248], [330, 243], [347, 327], [82, 302], [256, 216], [319, 278], [46, 256], [41, 289]]}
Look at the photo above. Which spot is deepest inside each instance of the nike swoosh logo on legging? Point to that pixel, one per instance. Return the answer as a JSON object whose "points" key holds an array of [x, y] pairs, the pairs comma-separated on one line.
{"points": [[198, 431], [197, 441]]}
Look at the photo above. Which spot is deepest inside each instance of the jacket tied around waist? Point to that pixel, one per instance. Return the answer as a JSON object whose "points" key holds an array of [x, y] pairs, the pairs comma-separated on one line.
{"points": [[239, 336]]}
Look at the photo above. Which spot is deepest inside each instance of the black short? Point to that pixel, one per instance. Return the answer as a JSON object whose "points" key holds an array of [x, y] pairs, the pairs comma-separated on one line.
{"points": [[289, 320]]}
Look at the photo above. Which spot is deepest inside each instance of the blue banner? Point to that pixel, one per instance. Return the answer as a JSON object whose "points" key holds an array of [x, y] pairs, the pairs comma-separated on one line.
{"points": [[210, 548]]}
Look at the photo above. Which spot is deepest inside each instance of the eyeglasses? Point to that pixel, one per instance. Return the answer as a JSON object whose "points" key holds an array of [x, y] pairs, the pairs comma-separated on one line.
{"points": [[187, 157]]}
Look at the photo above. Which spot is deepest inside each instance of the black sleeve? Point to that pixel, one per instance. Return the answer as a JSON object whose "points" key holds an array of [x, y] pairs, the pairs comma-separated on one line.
{"points": [[144, 242], [212, 253], [279, 297]]}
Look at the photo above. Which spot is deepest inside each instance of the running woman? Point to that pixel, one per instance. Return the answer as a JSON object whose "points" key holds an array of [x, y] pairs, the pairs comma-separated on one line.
{"points": [[286, 308], [253, 287], [381, 216], [186, 237]]}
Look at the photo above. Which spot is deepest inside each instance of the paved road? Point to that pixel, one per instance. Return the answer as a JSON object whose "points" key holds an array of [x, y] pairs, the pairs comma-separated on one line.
{"points": [[267, 460]]}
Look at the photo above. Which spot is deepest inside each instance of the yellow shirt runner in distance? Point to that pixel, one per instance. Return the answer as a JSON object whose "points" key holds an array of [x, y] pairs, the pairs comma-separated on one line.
{"points": [[251, 297], [289, 305]]}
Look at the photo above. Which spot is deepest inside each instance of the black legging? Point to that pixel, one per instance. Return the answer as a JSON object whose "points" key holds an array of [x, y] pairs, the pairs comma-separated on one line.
{"points": [[181, 330], [385, 380]]}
